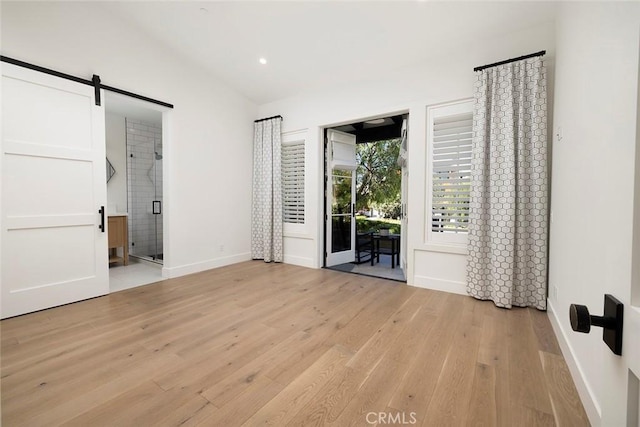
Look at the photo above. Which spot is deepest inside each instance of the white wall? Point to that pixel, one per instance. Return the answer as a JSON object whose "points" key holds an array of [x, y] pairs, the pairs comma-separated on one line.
{"points": [[409, 89], [117, 155], [209, 135], [592, 186]]}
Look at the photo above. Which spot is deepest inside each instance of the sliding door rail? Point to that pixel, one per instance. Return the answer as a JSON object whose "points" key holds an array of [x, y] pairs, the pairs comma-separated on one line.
{"points": [[95, 81]]}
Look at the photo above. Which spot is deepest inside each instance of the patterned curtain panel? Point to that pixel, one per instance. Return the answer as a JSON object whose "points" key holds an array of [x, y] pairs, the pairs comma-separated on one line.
{"points": [[266, 221], [508, 210]]}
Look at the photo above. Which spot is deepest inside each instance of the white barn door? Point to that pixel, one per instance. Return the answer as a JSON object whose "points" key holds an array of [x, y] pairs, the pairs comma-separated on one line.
{"points": [[53, 185]]}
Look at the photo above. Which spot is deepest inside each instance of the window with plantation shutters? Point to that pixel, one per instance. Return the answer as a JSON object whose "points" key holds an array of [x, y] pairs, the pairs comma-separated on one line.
{"points": [[451, 130], [293, 182]]}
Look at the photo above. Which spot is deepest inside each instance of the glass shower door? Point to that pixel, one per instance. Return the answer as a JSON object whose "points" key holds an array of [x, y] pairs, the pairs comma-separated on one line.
{"points": [[144, 168], [156, 206]]}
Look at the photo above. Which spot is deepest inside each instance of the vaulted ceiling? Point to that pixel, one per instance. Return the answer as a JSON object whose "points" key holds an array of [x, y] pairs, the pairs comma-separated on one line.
{"points": [[314, 44]]}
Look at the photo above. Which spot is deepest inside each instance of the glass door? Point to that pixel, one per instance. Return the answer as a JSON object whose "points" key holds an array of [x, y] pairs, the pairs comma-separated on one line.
{"points": [[341, 196], [144, 181], [342, 213]]}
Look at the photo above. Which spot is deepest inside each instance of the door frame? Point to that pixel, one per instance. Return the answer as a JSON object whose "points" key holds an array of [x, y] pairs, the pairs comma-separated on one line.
{"points": [[167, 158], [323, 248]]}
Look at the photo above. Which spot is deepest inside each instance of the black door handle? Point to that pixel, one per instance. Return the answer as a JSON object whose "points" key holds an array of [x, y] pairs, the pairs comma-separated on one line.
{"points": [[611, 321], [101, 212]]}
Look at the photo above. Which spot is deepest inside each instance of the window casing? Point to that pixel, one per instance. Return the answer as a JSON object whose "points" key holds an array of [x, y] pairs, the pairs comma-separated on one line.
{"points": [[449, 134], [293, 185]]}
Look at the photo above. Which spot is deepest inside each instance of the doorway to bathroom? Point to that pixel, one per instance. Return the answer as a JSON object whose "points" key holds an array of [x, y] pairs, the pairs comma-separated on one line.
{"points": [[135, 166]]}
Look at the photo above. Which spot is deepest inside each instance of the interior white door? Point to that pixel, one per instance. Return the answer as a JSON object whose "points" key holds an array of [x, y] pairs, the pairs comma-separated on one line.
{"points": [[621, 404], [341, 198], [621, 379], [53, 185]]}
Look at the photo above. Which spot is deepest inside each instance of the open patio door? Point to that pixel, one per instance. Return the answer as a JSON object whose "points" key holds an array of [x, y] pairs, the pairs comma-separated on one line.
{"points": [[341, 198], [53, 168], [402, 160]]}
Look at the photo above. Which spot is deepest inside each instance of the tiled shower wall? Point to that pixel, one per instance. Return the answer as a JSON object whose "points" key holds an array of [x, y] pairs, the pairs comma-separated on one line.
{"points": [[144, 186]]}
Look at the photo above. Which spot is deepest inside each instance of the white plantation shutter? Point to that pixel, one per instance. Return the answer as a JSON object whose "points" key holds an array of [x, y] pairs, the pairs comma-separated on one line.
{"points": [[451, 172], [293, 182]]}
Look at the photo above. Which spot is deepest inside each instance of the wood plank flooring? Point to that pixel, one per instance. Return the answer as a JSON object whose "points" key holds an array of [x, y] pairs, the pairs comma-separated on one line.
{"points": [[273, 344]]}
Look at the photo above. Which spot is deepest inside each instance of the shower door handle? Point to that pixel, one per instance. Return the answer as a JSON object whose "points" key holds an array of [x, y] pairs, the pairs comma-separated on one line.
{"points": [[156, 207]]}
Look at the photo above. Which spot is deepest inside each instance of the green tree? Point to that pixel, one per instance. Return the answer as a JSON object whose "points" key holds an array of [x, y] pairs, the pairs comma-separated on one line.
{"points": [[378, 177]]}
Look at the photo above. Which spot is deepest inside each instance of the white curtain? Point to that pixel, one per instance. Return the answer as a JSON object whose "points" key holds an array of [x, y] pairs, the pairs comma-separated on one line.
{"points": [[266, 221], [508, 210]]}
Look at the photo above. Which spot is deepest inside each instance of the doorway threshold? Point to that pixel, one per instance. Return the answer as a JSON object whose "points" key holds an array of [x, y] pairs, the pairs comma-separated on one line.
{"points": [[137, 273], [380, 269]]}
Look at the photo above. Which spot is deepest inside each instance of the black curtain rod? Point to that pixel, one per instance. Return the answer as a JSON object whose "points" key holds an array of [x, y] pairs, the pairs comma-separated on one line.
{"points": [[520, 58], [268, 118], [95, 82]]}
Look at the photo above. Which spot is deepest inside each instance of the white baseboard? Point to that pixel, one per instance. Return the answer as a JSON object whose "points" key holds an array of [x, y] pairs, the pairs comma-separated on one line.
{"points": [[589, 402], [298, 260], [439, 285], [197, 267]]}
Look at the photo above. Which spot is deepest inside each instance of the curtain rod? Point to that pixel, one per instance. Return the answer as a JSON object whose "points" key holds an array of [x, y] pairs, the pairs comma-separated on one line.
{"points": [[520, 58], [268, 118]]}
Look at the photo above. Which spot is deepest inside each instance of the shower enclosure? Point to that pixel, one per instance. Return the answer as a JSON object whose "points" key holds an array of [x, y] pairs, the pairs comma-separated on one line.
{"points": [[144, 169]]}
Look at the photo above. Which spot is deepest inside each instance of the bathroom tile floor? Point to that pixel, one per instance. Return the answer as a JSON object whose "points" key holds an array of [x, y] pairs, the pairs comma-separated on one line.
{"points": [[135, 274]]}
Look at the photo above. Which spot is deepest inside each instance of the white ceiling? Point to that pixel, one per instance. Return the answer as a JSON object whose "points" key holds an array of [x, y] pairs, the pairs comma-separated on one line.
{"points": [[313, 44]]}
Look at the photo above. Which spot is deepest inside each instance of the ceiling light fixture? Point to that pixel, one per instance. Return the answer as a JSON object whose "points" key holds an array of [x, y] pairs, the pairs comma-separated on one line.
{"points": [[263, 61], [375, 121]]}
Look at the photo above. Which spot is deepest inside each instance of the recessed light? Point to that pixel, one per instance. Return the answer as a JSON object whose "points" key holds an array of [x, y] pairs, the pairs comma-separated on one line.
{"points": [[375, 121], [263, 61]]}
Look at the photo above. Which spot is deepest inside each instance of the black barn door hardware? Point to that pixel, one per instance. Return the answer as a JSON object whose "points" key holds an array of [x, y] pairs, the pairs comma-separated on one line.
{"points": [[96, 88], [611, 321], [95, 81], [101, 212]]}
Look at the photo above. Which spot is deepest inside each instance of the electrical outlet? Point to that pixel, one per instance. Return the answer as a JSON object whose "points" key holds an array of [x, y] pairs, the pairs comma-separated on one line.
{"points": [[221, 248]]}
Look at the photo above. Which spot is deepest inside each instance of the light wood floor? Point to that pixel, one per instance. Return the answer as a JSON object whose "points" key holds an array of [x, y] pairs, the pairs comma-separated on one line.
{"points": [[255, 343]]}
